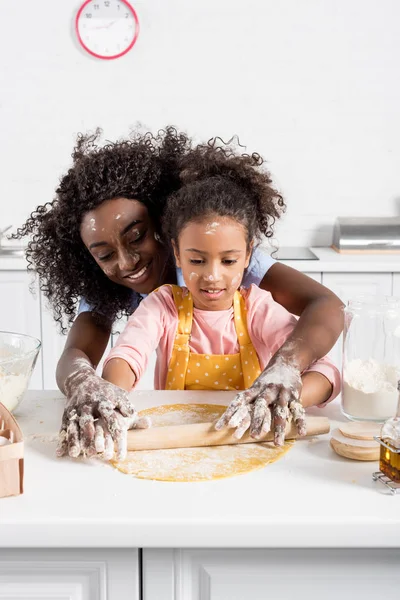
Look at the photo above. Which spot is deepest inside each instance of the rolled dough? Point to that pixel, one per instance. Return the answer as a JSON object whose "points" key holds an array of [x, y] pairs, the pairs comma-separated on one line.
{"points": [[196, 464]]}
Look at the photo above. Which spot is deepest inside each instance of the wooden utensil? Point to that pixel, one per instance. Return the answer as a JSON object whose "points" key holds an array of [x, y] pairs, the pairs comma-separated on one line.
{"points": [[354, 448], [360, 430], [205, 434]]}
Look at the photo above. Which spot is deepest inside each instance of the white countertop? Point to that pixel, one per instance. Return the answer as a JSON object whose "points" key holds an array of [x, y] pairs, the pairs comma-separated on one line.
{"points": [[329, 262], [309, 498]]}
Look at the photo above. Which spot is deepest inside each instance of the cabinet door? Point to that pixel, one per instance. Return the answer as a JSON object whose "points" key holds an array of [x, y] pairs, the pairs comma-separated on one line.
{"points": [[74, 574], [349, 285], [53, 345], [315, 276], [261, 574], [20, 312], [396, 284]]}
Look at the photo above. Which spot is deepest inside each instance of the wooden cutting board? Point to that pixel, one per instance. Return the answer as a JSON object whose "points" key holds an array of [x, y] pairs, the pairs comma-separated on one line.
{"points": [[360, 431], [355, 449]]}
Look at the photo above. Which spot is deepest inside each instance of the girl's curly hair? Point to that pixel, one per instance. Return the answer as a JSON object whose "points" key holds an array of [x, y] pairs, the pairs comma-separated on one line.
{"points": [[144, 168], [217, 179]]}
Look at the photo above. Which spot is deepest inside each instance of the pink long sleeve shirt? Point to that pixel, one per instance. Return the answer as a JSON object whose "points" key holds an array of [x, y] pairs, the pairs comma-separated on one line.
{"points": [[153, 327]]}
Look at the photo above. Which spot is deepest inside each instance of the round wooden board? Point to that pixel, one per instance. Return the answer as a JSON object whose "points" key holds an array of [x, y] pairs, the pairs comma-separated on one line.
{"points": [[354, 449], [360, 431]]}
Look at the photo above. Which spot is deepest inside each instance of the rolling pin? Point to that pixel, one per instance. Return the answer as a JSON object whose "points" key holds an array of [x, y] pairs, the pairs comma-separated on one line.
{"points": [[204, 434]]}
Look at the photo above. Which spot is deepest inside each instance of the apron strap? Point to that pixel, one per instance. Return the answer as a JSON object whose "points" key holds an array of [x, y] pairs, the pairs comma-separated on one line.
{"points": [[250, 363], [178, 364]]}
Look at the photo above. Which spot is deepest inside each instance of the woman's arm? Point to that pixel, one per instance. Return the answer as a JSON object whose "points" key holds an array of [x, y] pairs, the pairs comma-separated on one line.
{"points": [[277, 390], [93, 417], [87, 340], [320, 311]]}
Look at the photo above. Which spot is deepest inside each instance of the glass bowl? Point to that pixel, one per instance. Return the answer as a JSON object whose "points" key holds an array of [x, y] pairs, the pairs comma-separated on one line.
{"points": [[18, 355]]}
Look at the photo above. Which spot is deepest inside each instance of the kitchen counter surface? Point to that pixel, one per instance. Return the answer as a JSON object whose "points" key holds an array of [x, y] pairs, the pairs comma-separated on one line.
{"points": [[329, 262], [309, 498]]}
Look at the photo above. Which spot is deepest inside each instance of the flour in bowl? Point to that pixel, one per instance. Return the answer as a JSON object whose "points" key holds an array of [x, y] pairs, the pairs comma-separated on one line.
{"points": [[12, 388], [370, 389]]}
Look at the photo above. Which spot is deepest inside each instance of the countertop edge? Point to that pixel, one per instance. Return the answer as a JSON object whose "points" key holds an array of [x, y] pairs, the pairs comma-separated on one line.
{"points": [[304, 535]]}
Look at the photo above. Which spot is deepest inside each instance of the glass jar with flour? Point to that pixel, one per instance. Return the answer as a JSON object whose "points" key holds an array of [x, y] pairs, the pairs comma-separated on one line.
{"points": [[371, 358]]}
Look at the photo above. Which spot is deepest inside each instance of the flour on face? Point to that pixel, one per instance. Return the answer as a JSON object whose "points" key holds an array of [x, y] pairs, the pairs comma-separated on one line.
{"points": [[211, 228]]}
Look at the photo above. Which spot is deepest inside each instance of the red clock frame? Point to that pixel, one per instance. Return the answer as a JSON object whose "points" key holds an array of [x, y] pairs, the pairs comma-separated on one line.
{"points": [[101, 56]]}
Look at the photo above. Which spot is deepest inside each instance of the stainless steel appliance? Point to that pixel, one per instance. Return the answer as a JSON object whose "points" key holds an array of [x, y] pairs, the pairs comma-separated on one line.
{"points": [[366, 234]]}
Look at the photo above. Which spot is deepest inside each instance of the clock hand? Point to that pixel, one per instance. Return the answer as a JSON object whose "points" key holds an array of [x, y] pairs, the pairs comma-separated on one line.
{"points": [[105, 26]]}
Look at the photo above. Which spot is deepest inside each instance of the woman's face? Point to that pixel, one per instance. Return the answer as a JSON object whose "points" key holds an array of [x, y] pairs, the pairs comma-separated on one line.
{"points": [[121, 237]]}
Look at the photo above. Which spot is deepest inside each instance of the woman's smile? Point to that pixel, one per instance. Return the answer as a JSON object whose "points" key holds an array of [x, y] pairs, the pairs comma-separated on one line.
{"points": [[138, 275], [121, 237]]}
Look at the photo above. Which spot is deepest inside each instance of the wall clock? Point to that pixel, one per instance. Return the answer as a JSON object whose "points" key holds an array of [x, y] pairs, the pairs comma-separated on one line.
{"points": [[107, 29]]}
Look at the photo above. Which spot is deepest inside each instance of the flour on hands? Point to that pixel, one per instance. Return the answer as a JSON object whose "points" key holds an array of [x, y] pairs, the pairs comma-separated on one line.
{"points": [[269, 402], [97, 416]]}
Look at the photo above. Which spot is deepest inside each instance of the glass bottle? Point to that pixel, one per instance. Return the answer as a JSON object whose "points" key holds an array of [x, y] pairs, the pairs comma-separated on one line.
{"points": [[389, 462], [371, 358]]}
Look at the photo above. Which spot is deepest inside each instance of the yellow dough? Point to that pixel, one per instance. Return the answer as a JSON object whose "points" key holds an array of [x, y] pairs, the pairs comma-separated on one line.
{"points": [[196, 464]]}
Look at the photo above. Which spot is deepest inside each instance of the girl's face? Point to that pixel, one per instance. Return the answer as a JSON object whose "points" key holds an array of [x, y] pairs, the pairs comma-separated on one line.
{"points": [[120, 236], [213, 255]]}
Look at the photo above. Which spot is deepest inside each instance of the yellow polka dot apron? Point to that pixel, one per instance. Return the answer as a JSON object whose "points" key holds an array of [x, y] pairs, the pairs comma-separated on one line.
{"points": [[189, 371]]}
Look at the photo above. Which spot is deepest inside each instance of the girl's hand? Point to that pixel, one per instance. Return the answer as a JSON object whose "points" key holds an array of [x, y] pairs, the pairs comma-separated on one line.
{"points": [[97, 416], [273, 397]]}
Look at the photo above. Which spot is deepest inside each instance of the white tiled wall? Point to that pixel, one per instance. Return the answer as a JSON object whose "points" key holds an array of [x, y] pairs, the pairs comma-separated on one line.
{"points": [[313, 85]]}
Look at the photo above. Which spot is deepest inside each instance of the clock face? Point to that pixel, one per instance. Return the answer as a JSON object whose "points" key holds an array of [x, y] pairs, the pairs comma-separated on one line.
{"points": [[107, 28]]}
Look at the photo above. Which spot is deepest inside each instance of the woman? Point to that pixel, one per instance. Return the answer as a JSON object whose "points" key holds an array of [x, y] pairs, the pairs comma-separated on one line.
{"points": [[101, 240]]}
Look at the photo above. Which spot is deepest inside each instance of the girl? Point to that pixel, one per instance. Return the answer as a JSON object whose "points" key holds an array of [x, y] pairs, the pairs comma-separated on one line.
{"points": [[100, 239], [209, 335]]}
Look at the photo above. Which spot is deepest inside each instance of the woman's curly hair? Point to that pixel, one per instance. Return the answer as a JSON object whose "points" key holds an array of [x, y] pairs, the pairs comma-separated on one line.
{"points": [[144, 168], [217, 179]]}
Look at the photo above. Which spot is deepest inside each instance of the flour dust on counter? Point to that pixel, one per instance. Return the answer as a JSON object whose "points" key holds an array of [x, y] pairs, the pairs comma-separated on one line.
{"points": [[196, 464]]}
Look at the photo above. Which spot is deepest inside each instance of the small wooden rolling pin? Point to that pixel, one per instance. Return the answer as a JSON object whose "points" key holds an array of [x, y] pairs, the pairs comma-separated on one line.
{"points": [[204, 434]]}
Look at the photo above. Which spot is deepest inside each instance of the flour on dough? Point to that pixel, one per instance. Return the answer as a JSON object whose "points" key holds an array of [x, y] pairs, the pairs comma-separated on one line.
{"points": [[196, 464]]}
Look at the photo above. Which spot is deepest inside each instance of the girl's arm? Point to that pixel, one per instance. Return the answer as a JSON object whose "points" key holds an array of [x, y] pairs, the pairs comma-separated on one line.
{"points": [[88, 395], [118, 372], [129, 357], [316, 389]]}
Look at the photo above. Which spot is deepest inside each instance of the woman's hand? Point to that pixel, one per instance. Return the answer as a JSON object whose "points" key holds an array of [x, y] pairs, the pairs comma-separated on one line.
{"points": [[97, 416], [272, 399]]}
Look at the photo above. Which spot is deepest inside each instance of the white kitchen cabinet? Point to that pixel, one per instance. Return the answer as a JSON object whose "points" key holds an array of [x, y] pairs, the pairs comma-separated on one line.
{"points": [[259, 574], [396, 284], [77, 574], [53, 344], [349, 285], [315, 276], [20, 312]]}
